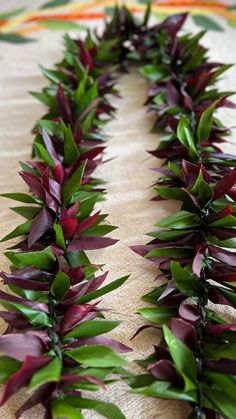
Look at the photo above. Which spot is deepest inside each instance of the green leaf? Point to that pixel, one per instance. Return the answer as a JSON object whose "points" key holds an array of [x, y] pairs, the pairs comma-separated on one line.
{"points": [[229, 294], [87, 97], [60, 286], [14, 38], [71, 152], [8, 366], [174, 169], [97, 356], [74, 183], [205, 192], [92, 328], [230, 243], [153, 72], [207, 23], [222, 381], [78, 258], [227, 221], [163, 390], [34, 316], [87, 204], [62, 410], [225, 404], [60, 25], [171, 193], [45, 155], [195, 188], [104, 290], [183, 219], [100, 230], [60, 240], [88, 121], [173, 252], [109, 410], [54, 3], [47, 100], [158, 315], [205, 124], [170, 235], [50, 373], [215, 351], [185, 282], [54, 76], [22, 229], [183, 358], [21, 197], [27, 212], [11, 13], [43, 259], [186, 138], [50, 127], [147, 14]]}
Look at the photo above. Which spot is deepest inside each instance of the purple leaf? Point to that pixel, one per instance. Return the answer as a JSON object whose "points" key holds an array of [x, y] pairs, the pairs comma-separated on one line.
{"points": [[217, 329], [173, 23], [19, 346], [226, 366], [34, 184], [38, 397], [85, 56], [198, 259], [27, 284], [189, 312], [223, 255], [49, 146], [101, 340], [90, 243], [40, 225], [15, 320]]}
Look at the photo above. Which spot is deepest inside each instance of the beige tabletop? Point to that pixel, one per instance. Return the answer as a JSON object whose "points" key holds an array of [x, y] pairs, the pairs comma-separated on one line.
{"points": [[128, 178]]}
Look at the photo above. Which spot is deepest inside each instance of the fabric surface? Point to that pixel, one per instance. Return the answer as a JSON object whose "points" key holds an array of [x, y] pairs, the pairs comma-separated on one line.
{"points": [[128, 204]]}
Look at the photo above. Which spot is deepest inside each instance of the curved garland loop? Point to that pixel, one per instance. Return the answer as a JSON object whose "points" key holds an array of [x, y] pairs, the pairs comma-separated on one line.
{"points": [[52, 344]]}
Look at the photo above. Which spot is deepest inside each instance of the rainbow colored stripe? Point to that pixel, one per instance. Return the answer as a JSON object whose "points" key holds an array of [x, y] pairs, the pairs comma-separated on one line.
{"points": [[29, 22]]}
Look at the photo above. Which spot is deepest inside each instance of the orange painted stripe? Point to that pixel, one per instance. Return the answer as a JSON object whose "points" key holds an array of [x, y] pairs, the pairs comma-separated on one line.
{"points": [[69, 16], [191, 3]]}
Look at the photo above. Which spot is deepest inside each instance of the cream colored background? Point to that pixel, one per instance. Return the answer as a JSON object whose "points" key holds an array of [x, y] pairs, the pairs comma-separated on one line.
{"points": [[129, 180]]}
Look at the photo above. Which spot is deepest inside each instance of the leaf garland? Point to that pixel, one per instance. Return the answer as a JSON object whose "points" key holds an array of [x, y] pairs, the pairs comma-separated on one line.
{"points": [[195, 360], [54, 344]]}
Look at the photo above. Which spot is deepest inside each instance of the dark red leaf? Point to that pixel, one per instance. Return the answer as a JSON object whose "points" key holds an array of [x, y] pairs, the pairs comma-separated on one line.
{"points": [[185, 332], [69, 227], [22, 377], [164, 370], [225, 184], [63, 105]]}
